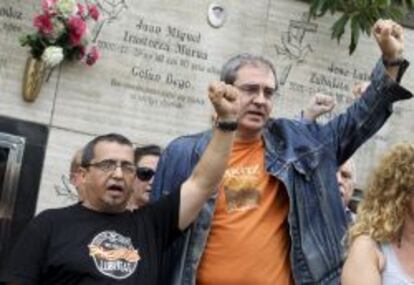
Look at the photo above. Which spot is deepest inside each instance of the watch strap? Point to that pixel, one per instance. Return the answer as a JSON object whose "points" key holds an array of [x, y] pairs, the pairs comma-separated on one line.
{"points": [[395, 62], [226, 126]]}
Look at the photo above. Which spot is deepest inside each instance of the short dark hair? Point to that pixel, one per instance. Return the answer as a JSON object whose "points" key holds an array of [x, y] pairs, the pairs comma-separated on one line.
{"points": [[151, 149], [89, 150], [231, 67]]}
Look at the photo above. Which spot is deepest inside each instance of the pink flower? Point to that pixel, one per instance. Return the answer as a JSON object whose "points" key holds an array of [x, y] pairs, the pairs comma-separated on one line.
{"points": [[48, 6], [93, 12], [77, 29], [44, 24], [81, 52], [92, 56], [81, 9]]}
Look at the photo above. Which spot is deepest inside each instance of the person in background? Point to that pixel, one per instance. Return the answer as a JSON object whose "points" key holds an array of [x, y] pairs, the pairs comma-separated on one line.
{"points": [[318, 105], [382, 238], [75, 174], [346, 176], [277, 217], [146, 161]]}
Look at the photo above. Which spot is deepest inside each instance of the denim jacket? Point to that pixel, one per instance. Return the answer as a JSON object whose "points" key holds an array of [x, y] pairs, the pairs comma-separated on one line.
{"points": [[303, 156]]}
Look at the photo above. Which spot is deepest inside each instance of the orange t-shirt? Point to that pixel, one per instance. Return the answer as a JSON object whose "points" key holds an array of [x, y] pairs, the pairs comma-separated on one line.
{"points": [[249, 241]]}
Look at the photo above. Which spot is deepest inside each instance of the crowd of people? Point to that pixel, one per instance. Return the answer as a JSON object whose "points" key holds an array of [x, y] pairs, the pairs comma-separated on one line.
{"points": [[253, 200]]}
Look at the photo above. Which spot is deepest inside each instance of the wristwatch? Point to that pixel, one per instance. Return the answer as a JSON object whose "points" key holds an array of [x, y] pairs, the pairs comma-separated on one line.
{"points": [[400, 62], [395, 62], [226, 126]]}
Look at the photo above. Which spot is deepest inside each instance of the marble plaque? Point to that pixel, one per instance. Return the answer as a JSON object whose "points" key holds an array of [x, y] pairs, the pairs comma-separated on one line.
{"points": [[308, 61], [157, 60]]}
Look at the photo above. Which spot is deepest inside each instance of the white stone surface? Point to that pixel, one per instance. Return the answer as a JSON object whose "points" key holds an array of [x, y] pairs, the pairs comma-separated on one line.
{"points": [[62, 145]]}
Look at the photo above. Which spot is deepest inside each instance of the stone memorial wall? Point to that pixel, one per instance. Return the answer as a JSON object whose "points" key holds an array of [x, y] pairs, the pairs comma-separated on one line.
{"points": [[157, 58]]}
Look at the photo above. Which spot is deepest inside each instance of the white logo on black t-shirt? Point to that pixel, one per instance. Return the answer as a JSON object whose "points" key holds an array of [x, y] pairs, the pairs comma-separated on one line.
{"points": [[114, 255]]}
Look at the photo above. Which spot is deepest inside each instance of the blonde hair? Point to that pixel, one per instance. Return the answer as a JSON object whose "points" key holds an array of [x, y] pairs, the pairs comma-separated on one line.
{"points": [[382, 212]]}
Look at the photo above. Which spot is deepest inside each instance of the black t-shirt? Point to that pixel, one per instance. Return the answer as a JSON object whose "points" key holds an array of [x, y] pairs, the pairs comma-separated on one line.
{"points": [[75, 245]]}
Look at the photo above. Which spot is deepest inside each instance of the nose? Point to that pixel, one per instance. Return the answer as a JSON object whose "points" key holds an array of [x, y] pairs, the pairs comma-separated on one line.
{"points": [[118, 173], [339, 178], [259, 99], [151, 180]]}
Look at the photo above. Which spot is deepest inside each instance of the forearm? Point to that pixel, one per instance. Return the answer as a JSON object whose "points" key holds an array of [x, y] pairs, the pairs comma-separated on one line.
{"points": [[205, 177], [366, 116], [395, 71], [210, 169]]}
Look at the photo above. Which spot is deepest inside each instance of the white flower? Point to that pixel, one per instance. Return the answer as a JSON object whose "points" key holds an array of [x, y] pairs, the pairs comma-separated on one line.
{"points": [[52, 56], [67, 7]]}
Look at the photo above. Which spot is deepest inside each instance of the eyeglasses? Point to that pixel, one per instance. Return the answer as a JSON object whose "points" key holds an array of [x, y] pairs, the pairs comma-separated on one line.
{"points": [[110, 165], [254, 90], [145, 173]]}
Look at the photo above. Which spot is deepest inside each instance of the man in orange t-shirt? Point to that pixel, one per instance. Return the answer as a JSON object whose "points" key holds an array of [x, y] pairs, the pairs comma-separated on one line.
{"points": [[278, 214]]}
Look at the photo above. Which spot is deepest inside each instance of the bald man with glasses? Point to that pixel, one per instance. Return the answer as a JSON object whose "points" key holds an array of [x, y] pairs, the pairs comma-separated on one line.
{"points": [[100, 241]]}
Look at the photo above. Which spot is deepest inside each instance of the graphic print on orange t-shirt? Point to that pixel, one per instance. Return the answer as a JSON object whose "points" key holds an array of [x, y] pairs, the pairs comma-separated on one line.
{"points": [[240, 188]]}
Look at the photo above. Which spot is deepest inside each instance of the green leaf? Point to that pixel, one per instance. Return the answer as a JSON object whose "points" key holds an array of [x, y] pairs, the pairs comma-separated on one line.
{"points": [[314, 8], [362, 14], [395, 13], [354, 34], [338, 29], [383, 2], [23, 40]]}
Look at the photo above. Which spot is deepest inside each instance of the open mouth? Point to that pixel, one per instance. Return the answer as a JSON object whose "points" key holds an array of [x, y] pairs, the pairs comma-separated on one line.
{"points": [[255, 113], [115, 188]]}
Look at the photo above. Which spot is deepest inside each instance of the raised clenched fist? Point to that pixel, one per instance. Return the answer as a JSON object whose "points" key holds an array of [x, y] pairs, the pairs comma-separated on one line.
{"points": [[390, 38], [225, 100]]}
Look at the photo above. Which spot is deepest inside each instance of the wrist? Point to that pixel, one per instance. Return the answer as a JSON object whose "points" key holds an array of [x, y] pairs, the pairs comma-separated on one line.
{"points": [[392, 61], [226, 125]]}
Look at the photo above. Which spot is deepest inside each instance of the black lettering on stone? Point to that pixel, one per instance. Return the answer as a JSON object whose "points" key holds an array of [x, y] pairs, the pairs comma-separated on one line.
{"points": [[184, 36], [11, 13], [177, 82], [327, 81], [11, 28], [360, 75], [134, 39], [191, 52], [148, 28], [146, 74], [197, 67], [338, 70], [144, 41], [172, 61]]}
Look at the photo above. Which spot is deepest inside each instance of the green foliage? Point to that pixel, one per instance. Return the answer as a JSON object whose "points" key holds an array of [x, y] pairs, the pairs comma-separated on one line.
{"points": [[38, 43], [360, 15]]}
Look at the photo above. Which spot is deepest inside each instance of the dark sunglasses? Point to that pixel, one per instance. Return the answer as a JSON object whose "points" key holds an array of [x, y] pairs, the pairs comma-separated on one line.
{"points": [[145, 173]]}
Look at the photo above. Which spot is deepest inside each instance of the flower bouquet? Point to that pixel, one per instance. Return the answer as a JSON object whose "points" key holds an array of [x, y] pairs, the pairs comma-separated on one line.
{"points": [[61, 33]]}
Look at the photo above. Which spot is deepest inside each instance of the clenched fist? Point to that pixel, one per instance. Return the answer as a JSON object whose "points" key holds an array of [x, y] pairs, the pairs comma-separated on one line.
{"points": [[225, 99], [319, 104], [390, 38]]}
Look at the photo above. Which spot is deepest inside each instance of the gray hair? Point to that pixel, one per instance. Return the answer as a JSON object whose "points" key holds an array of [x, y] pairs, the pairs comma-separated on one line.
{"points": [[231, 67]]}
